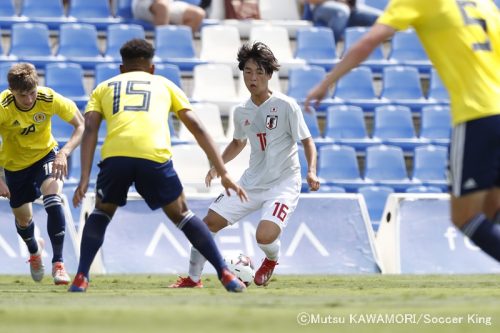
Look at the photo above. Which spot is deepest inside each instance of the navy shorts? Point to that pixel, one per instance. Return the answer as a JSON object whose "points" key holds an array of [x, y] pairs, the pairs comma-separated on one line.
{"points": [[157, 183], [24, 185], [475, 156]]}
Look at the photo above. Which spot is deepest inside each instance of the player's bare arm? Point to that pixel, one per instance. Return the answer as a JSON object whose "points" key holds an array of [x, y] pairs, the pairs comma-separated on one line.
{"points": [[356, 54], [89, 141], [230, 152], [311, 158], [4, 190], [190, 120], [60, 164]]}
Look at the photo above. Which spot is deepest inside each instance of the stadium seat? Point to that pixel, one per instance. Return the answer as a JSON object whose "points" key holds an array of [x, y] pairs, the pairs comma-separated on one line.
{"points": [[316, 45], [96, 12], [423, 189], [331, 189], [78, 43], [385, 165], [210, 116], [408, 51], [50, 12], [393, 125], [303, 79], [430, 164], [376, 60], [437, 91], [8, 15], [278, 40], [30, 43], [174, 45], [117, 35], [356, 88], [345, 124], [124, 12], [244, 94], [401, 85], [191, 165], [311, 120], [214, 83], [379, 4], [4, 69], [338, 166], [375, 199], [171, 72], [61, 131], [219, 44], [435, 123], [67, 80], [104, 72]]}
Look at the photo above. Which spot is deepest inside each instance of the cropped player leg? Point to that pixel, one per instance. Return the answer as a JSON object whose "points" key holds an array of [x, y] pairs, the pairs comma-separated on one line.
{"points": [[492, 205], [196, 231], [25, 226], [467, 215], [267, 238], [215, 223], [56, 222]]}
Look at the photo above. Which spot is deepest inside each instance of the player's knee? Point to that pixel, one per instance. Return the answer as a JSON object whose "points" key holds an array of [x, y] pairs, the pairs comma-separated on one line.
{"points": [[214, 225], [23, 220]]}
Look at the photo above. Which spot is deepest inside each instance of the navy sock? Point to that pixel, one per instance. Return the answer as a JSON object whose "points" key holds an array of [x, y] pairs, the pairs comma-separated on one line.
{"points": [[484, 234], [28, 236], [92, 239], [200, 237], [56, 224]]}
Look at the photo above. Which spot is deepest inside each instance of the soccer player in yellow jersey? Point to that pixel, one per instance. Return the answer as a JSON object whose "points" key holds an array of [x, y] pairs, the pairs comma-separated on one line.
{"points": [[462, 39], [135, 105], [33, 163]]}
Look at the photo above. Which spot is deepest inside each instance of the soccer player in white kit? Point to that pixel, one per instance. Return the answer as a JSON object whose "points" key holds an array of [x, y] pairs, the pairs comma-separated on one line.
{"points": [[272, 123]]}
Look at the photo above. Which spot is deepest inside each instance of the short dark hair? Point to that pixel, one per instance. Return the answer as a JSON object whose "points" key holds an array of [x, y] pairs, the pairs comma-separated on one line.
{"points": [[22, 77], [137, 48], [261, 54]]}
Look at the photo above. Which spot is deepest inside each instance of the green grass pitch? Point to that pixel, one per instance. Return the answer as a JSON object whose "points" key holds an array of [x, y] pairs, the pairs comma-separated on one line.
{"points": [[361, 303]]}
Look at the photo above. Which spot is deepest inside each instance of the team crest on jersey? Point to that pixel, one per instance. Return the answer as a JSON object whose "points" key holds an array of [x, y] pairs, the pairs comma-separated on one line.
{"points": [[271, 122], [39, 117]]}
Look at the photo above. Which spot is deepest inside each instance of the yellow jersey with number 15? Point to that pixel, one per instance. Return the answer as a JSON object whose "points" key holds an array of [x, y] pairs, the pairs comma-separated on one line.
{"points": [[136, 106], [462, 39]]}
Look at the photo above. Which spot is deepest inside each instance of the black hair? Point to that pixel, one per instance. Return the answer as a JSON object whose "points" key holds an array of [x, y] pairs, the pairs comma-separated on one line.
{"points": [[137, 48], [261, 54]]}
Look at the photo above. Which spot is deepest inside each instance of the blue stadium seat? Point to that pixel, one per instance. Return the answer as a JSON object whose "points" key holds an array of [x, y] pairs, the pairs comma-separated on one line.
{"points": [[30, 43], [311, 120], [117, 35], [356, 88], [393, 125], [345, 124], [435, 123], [67, 80], [105, 71], [338, 166], [401, 85], [4, 69], [375, 199], [96, 12], [437, 91], [124, 11], [331, 189], [303, 79], [379, 4], [78, 44], [50, 12], [376, 60], [174, 45], [316, 45], [385, 165], [61, 131], [423, 189], [408, 51], [8, 15], [171, 72], [430, 164]]}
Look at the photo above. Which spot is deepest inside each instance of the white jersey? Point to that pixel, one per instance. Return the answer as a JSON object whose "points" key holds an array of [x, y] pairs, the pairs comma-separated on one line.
{"points": [[273, 129]]}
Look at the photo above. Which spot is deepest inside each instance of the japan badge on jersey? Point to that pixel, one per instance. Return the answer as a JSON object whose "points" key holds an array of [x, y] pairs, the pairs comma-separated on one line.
{"points": [[271, 122]]}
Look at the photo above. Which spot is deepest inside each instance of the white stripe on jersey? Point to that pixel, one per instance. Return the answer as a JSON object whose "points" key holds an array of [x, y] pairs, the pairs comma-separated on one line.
{"points": [[456, 158]]}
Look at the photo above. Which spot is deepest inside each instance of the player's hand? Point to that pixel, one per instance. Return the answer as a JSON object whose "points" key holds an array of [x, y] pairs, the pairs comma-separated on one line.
{"points": [[80, 191], [4, 190], [60, 166], [313, 181], [211, 174], [228, 183], [316, 94]]}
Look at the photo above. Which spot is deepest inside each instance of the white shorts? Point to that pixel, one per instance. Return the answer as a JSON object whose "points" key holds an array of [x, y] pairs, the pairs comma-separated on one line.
{"points": [[277, 204], [176, 9]]}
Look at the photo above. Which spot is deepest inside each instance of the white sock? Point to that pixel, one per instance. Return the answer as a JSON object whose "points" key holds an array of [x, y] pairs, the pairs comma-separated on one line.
{"points": [[196, 263], [271, 250]]}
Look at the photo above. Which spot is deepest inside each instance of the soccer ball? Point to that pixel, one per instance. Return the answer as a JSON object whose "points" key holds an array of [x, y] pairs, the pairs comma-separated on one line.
{"points": [[242, 267]]}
